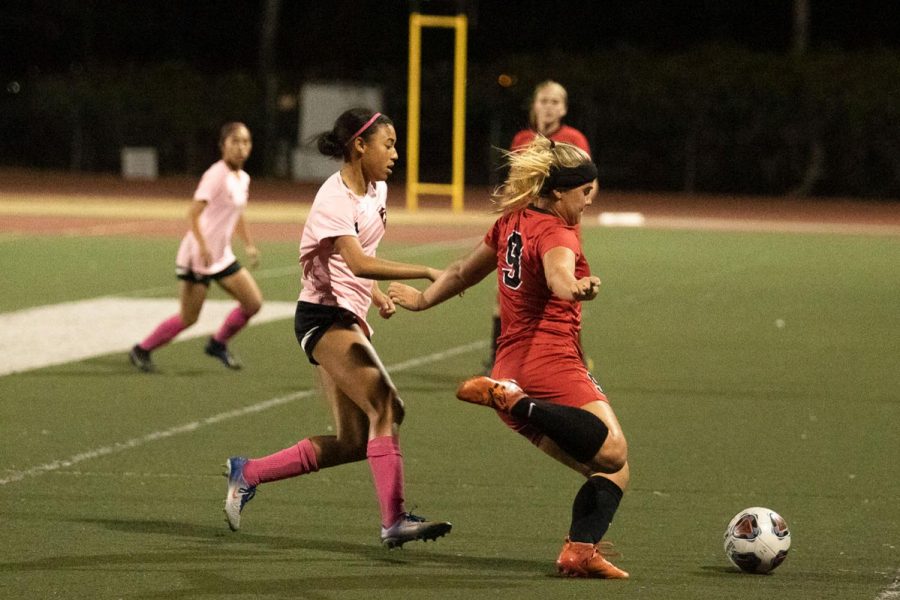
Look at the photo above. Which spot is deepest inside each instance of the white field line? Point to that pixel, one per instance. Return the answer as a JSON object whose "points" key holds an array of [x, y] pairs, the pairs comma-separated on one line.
{"points": [[261, 406], [192, 426], [891, 592], [62, 333], [50, 335]]}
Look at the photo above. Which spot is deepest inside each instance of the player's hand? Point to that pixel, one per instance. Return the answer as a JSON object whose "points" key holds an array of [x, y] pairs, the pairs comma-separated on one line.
{"points": [[206, 256], [586, 288], [405, 295], [252, 253], [386, 307]]}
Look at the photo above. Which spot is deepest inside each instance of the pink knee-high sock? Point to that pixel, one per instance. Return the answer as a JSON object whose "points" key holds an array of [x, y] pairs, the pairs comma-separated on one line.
{"points": [[290, 462], [386, 463], [234, 322], [164, 333]]}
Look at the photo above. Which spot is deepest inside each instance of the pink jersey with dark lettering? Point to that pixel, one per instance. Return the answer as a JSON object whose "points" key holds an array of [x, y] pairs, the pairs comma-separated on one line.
{"points": [[335, 212], [225, 193]]}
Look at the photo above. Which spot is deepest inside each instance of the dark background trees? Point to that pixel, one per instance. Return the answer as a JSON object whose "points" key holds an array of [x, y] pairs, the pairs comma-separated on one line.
{"points": [[695, 96]]}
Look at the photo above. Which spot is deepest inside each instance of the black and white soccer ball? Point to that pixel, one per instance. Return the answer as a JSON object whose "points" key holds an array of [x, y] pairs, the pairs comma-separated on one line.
{"points": [[757, 540]]}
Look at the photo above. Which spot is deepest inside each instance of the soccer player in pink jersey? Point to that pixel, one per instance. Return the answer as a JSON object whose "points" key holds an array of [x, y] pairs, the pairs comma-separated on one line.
{"points": [[205, 254], [549, 105], [540, 385], [339, 283]]}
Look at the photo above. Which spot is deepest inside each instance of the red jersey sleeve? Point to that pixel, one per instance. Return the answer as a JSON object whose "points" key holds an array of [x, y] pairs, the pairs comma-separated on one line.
{"points": [[566, 237]]}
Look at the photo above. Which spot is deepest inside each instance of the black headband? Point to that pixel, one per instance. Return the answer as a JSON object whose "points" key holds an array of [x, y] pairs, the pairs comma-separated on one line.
{"points": [[567, 178]]}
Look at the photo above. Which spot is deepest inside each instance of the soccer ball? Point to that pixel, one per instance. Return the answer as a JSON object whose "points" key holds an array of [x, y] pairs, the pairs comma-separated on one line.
{"points": [[757, 540]]}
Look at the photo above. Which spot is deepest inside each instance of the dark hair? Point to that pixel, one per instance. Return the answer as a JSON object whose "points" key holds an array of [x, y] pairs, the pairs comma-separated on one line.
{"points": [[228, 129], [336, 143]]}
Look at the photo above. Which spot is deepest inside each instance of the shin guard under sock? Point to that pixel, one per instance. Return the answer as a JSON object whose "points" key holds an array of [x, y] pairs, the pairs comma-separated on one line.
{"points": [[386, 463], [299, 459], [578, 432], [234, 322], [593, 509], [164, 333], [495, 334]]}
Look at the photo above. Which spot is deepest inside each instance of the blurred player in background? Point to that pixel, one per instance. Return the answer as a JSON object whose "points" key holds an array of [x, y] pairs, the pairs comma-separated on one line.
{"points": [[540, 386], [337, 255], [205, 254], [549, 104]]}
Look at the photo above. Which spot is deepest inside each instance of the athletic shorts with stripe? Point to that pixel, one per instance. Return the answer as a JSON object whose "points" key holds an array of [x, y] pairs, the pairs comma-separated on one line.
{"points": [[186, 274], [311, 321]]}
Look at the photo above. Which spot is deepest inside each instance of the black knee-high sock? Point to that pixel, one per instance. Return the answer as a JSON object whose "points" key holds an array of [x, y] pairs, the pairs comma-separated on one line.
{"points": [[593, 509], [495, 333], [576, 431]]}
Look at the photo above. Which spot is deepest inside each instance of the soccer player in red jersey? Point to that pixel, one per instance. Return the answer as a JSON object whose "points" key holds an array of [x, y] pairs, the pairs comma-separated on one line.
{"points": [[549, 105], [540, 385]]}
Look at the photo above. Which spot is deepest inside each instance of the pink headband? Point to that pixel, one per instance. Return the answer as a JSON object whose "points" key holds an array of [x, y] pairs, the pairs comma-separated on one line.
{"points": [[364, 127]]}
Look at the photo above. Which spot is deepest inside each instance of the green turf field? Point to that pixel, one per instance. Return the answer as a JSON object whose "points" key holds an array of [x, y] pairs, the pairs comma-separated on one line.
{"points": [[747, 369]]}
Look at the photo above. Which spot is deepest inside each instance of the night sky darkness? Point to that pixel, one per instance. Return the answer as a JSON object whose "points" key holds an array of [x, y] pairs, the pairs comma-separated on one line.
{"points": [[50, 36]]}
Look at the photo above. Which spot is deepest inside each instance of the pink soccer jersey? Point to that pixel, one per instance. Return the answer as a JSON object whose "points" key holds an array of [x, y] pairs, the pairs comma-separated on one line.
{"points": [[336, 211], [225, 193]]}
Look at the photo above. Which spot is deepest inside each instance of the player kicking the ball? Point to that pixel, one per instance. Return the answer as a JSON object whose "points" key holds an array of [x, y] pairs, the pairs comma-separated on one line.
{"points": [[539, 384]]}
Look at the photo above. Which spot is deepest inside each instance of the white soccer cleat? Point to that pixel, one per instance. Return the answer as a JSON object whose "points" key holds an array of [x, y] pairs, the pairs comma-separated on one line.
{"points": [[410, 527], [239, 493]]}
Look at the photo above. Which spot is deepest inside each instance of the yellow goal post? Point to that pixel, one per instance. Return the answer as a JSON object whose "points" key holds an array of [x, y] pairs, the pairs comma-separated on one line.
{"points": [[414, 187]]}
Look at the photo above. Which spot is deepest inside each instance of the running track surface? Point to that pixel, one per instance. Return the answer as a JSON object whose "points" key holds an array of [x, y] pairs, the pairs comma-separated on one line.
{"points": [[53, 203]]}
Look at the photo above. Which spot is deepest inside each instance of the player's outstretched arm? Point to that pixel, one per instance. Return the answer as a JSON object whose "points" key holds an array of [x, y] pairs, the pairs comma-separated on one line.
{"points": [[372, 267], [454, 280]]}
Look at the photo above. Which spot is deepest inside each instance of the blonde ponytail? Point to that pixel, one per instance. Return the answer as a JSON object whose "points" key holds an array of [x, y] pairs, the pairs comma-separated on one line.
{"points": [[530, 167]]}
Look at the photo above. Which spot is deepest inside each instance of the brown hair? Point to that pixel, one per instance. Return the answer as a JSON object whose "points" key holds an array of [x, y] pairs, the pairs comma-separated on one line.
{"points": [[336, 143], [228, 129]]}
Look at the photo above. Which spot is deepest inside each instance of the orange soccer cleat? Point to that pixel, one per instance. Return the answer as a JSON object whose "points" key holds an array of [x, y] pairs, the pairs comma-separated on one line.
{"points": [[581, 559], [499, 394]]}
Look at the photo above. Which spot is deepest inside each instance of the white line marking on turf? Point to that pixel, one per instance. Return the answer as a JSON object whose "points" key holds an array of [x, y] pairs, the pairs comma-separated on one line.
{"points": [[891, 592], [60, 333], [217, 418], [621, 219], [44, 336]]}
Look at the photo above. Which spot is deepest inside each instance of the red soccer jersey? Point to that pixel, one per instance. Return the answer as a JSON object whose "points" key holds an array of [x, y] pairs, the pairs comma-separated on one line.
{"points": [[565, 134], [529, 312]]}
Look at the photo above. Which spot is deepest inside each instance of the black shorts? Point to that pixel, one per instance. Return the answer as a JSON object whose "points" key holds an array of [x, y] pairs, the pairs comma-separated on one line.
{"points": [[311, 321], [185, 274]]}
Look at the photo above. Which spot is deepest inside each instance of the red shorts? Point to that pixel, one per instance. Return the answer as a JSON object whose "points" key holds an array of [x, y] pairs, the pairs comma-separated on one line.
{"points": [[555, 373]]}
